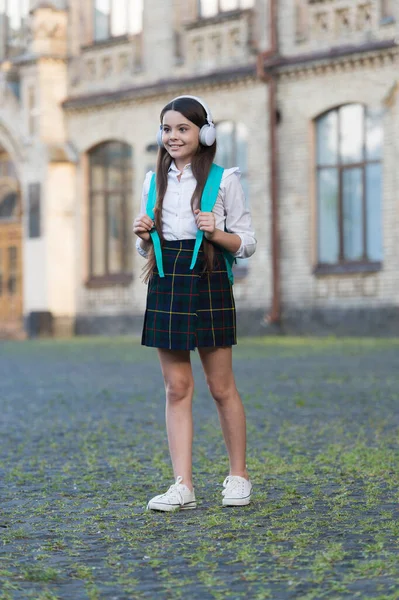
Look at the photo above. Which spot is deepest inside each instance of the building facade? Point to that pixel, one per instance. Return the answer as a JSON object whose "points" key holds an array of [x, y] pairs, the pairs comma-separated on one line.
{"points": [[304, 95]]}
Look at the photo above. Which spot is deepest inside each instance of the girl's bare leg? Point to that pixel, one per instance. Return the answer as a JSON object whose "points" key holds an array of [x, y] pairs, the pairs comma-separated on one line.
{"points": [[218, 368], [179, 387]]}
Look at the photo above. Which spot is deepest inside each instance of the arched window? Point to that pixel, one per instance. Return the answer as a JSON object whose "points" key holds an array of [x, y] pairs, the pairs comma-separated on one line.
{"points": [[349, 187], [110, 167], [209, 8], [232, 151]]}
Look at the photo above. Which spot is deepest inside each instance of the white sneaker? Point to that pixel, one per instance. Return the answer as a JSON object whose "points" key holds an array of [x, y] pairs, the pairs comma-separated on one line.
{"points": [[178, 497], [237, 491]]}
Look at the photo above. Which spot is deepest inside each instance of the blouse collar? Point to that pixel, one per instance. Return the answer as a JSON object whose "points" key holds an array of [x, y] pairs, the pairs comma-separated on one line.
{"points": [[176, 170]]}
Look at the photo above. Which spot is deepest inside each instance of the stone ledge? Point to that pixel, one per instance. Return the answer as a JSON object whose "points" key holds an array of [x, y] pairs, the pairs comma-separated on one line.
{"points": [[378, 322]]}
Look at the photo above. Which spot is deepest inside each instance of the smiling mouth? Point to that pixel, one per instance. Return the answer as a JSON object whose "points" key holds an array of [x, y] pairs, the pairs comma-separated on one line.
{"points": [[174, 146]]}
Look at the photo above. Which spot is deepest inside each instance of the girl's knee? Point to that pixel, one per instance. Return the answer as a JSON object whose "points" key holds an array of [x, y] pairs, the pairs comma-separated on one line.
{"points": [[179, 389], [222, 391]]}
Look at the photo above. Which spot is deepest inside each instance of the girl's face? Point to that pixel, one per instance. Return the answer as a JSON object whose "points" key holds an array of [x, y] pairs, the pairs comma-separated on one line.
{"points": [[180, 137]]}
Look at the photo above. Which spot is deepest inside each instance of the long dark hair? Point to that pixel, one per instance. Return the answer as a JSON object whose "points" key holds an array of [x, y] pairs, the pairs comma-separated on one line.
{"points": [[200, 165]]}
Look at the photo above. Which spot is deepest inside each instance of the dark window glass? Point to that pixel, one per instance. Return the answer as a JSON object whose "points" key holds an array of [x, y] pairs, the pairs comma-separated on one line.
{"points": [[110, 209], [12, 270], [8, 204], [34, 210], [349, 187]]}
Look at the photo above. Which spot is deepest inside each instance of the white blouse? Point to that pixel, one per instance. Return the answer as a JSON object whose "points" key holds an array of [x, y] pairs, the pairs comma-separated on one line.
{"points": [[178, 220]]}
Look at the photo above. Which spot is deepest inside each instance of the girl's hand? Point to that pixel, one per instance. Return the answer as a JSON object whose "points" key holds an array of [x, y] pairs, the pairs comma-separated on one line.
{"points": [[206, 222], [142, 225]]}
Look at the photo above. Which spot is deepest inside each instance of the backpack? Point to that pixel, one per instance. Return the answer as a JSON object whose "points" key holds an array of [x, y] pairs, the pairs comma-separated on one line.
{"points": [[208, 200]]}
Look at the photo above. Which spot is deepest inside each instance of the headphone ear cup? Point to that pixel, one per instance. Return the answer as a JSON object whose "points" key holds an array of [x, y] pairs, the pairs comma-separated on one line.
{"points": [[159, 138], [208, 135]]}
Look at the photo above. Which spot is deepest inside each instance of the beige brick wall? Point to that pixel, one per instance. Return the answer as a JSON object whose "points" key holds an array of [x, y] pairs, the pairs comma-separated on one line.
{"points": [[301, 99]]}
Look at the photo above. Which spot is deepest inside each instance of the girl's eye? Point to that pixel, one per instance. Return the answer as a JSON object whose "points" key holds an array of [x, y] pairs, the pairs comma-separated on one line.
{"points": [[183, 129]]}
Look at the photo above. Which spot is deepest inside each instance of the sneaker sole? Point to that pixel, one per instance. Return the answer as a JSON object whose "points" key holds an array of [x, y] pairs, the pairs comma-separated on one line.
{"points": [[171, 507], [236, 501]]}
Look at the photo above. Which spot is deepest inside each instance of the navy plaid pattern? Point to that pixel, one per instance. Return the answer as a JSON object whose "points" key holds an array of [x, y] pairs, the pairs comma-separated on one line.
{"points": [[189, 309]]}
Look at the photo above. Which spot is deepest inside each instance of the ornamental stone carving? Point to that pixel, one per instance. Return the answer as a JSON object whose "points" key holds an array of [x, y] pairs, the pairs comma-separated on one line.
{"points": [[49, 31]]}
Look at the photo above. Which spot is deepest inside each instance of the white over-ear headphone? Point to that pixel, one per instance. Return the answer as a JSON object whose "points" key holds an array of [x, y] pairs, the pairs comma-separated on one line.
{"points": [[207, 135]]}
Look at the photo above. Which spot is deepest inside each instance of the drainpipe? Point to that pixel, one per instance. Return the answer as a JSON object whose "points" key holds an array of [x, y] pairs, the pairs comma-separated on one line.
{"points": [[274, 315]]}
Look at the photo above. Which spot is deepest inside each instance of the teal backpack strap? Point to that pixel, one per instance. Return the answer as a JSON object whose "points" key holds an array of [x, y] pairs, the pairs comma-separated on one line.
{"points": [[208, 199], [152, 197]]}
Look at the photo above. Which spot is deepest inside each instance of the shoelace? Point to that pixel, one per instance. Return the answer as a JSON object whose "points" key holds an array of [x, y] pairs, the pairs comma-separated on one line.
{"points": [[231, 483], [174, 492]]}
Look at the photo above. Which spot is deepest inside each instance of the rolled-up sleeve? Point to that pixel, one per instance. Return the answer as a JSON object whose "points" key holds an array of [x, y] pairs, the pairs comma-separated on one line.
{"points": [[238, 217], [143, 207]]}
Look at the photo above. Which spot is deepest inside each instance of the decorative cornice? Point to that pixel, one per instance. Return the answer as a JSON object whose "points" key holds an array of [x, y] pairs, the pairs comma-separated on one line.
{"points": [[161, 87], [32, 59], [346, 57]]}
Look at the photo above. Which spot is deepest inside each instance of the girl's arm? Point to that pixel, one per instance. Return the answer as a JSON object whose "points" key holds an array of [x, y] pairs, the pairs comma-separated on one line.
{"points": [[207, 223], [143, 224], [239, 236]]}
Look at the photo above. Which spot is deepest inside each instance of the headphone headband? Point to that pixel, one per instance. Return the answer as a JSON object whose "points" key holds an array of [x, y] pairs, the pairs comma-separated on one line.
{"points": [[204, 106]]}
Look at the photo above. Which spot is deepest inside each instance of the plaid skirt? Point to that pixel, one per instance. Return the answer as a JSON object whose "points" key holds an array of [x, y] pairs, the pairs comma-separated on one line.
{"points": [[189, 309]]}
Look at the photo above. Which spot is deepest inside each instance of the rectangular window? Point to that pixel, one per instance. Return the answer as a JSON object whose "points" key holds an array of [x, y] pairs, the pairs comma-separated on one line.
{"points": [[374, 211], [102, 11], [327, 188], [12, 270], [31, 108], [115, 233], [387, 11], [210, 8], [352, 201], [115, 18], [34, 212], [98, 225], [13, 21]]}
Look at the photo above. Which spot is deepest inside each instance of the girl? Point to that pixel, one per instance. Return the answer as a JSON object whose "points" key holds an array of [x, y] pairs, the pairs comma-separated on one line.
{"points": [[193, 223]]}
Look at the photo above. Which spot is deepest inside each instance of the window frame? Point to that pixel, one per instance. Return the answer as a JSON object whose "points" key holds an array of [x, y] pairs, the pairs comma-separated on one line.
{"points": [[387, 12], [110, 36], [125, 275], [220, 10], [344, 265], [10, 50]]}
